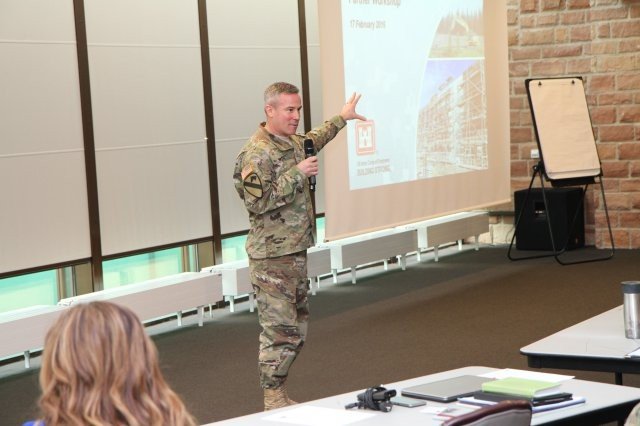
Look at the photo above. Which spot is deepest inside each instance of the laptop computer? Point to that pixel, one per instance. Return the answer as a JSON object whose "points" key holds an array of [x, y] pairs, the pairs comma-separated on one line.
{"points": [[446, 390]]}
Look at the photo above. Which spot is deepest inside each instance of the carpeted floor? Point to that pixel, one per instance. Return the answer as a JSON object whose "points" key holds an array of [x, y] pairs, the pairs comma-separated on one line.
{"points": [[470, 308]]}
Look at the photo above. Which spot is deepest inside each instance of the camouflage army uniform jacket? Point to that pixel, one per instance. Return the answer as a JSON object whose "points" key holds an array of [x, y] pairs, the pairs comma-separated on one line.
{"points": [[276, 193]]}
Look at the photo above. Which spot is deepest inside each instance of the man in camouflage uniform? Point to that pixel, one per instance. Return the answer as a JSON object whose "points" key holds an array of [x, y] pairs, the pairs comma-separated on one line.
{"points": [[271, 176]]}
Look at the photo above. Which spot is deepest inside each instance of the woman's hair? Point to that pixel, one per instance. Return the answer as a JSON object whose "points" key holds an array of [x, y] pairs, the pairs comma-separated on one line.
{"points": [[99, 367]]}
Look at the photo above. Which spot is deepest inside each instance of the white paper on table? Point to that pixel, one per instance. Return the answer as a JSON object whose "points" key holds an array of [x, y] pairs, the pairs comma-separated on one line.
{"points": [[448, 412], [433, 409], [633, 354], [524, 374], [318, 416]]}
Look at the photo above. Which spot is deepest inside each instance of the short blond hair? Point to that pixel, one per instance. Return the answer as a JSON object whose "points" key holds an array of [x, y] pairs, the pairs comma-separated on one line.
{"points": [[274, 90]]}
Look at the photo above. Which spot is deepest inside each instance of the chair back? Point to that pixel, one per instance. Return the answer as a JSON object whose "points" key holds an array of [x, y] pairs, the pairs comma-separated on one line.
{"points": [[504, 413]]}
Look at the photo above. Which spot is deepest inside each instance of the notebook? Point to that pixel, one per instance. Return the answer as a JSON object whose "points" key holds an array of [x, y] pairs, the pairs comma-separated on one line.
{"points": [[446, 390], [522, 387]]}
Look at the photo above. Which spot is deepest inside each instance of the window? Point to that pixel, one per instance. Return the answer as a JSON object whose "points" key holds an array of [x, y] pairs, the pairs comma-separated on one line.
{"points": [[233, 248], [142, 267], [40, 288]]}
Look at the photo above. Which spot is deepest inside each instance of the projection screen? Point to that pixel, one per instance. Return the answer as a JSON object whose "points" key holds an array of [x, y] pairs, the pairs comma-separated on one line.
{"points": [[435, 91]]}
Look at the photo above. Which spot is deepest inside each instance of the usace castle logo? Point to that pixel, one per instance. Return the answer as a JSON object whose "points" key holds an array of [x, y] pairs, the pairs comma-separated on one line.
{"points": [[365, 137]]}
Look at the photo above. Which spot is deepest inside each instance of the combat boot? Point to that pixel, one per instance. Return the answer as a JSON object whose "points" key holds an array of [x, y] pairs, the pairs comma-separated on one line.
{"points": [[275, 398]]}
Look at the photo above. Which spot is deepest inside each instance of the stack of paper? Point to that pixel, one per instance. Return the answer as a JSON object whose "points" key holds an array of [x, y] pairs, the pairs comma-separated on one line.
{"points": [[543, 395], [470, 400], [536, 400]]}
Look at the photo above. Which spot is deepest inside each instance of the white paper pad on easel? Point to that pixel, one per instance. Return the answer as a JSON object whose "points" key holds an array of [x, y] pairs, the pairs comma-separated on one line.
{"points": [[318, 416]]}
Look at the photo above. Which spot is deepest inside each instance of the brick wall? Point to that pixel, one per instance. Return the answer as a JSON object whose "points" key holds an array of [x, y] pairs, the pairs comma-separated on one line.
{"points": [[600, 41]]}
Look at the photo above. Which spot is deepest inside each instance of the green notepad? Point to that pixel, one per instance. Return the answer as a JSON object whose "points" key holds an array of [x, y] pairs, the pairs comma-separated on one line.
{"points": [[520, 387]]}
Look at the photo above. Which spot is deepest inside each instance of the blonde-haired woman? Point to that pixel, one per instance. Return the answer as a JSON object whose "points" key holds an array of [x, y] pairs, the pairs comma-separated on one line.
{"points": [[99, 367]]}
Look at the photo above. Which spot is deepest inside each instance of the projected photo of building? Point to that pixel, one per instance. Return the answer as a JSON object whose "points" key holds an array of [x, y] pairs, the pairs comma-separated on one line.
{"points": [[452, 122]]}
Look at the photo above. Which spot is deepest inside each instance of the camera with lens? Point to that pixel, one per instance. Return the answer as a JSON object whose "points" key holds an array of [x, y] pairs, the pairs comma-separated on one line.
{"points": [[375, 398]]}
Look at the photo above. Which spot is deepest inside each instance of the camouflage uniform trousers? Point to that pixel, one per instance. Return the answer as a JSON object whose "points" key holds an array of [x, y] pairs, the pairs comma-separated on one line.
{"points": [[281, 287]]}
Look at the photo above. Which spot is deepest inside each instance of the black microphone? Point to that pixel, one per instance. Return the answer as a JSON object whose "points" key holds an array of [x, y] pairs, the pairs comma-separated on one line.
{"points": [[310, 151]]}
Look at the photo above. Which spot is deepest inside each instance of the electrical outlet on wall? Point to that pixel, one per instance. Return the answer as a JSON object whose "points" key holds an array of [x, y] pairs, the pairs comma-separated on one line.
{"points": [[535, 153]]}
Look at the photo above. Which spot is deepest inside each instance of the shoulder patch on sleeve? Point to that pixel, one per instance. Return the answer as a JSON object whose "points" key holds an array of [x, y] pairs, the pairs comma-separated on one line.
{"points": [[246, 170], [252, 184]]}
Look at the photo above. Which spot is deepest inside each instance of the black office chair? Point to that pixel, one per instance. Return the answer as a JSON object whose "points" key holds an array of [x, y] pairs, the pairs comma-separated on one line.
{"points": [[504, 413]]}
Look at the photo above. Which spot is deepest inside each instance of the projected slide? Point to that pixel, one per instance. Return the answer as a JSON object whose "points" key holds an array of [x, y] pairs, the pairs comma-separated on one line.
{"points": [[420, 66]]}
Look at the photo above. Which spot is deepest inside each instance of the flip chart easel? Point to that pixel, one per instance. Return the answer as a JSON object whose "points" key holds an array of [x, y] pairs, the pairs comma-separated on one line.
{"points": [[567, 147]]}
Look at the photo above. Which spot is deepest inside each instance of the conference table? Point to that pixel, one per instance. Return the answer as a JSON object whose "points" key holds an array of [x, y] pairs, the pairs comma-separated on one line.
{"points": [[597, 344], [604, 403]]}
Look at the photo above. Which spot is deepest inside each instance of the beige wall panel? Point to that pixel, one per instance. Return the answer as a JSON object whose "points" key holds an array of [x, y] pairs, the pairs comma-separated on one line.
{"points": [[37, 20], [242, 23], [151, 196], [144, 22], [40, 108], [233, 215], [148, 110], [146, 96], [43, 219], [252, 45]]}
